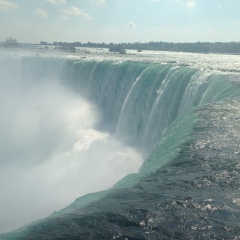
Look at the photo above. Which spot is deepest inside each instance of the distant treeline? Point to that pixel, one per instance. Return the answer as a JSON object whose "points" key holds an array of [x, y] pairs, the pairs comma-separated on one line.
{"points": [[10, 43], [196, 47]]}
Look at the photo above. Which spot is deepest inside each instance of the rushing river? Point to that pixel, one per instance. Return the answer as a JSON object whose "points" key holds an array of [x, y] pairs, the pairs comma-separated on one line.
{"points": [[154, 136]]}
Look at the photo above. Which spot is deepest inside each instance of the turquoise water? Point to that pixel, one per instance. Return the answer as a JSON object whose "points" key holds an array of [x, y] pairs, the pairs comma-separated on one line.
{"points": [[183, 119]]}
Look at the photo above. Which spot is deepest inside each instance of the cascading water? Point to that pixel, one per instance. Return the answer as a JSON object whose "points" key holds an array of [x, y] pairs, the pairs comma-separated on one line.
{"points": [[184, 121], [139, 101]]}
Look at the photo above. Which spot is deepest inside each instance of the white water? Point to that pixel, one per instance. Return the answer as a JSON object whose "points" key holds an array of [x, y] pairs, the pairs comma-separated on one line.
{"points": [[51, 152]]}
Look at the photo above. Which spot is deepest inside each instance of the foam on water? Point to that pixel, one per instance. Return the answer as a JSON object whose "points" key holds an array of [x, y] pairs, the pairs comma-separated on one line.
{"points": [[76, 125]]}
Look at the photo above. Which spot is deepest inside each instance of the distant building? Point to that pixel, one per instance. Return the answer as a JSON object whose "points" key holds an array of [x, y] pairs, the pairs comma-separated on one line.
{"points": [[117, 48], [43, 43]]}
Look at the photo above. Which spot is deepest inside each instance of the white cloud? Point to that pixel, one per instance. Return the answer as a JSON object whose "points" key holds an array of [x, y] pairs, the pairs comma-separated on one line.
{"points": [[190, 4], [76, 12], [56, 2], [7, 6], [41, 12], [174, 1], [99, 1], [65, 18], [131, 24]]}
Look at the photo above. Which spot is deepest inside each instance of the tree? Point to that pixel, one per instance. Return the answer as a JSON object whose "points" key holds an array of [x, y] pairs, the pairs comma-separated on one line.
{"points": [[10, 42]]}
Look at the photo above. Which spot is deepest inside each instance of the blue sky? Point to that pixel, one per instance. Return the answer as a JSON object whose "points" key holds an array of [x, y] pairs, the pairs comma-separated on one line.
{"points": [[120, 20]]}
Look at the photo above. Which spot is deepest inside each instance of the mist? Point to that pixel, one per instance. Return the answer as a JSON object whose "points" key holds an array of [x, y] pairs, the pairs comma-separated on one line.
{"points": [[51, 152]]}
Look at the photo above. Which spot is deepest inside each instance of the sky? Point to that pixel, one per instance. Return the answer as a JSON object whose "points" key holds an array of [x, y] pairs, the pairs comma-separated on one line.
{"points": [[32, 21]]}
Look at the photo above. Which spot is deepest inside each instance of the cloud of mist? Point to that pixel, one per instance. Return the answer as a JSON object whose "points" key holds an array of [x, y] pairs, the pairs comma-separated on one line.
{"points": [[56, 2], [6, 5], [74, 11], [50, 152], [131, 24], [41, 12]]}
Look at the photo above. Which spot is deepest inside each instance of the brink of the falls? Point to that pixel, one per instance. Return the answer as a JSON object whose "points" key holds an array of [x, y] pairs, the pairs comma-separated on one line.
{"points": [[119, 147]]}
